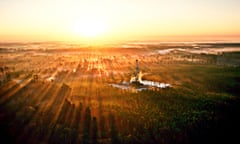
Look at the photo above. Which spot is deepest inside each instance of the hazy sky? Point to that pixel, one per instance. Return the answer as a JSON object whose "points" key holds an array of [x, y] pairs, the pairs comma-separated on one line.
{"points": [[39, 20]]}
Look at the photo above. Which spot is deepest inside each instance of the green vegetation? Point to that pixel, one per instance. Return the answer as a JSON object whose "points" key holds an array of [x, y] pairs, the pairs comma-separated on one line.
{"points": [[202, 105]]}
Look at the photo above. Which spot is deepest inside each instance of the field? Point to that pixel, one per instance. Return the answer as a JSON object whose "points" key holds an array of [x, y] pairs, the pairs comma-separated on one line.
{"points": [[55, 93]]}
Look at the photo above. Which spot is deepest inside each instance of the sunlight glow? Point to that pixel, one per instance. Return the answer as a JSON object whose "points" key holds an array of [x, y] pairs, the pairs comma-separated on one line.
{"points": [[89, 28], [117, 21]]}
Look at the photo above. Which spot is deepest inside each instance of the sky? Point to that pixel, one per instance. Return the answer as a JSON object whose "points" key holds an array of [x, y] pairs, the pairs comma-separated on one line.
{"points": [[119, 20]]}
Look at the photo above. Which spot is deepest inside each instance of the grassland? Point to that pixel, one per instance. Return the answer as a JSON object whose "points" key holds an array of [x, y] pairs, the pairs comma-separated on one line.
{"points": [[79, 106]]}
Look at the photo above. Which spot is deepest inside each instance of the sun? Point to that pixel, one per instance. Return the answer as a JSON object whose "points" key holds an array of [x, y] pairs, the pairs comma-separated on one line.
{"points": [[90, 28]]}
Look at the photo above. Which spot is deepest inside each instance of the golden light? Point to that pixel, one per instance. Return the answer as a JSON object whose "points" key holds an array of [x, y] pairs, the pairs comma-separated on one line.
{"points": [[90, 28]]}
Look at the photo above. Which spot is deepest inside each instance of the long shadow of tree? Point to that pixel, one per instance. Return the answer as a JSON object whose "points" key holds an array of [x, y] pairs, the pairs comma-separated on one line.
{"points": [[102, 132], [113, 130], [86, 128], [94, 131]]}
